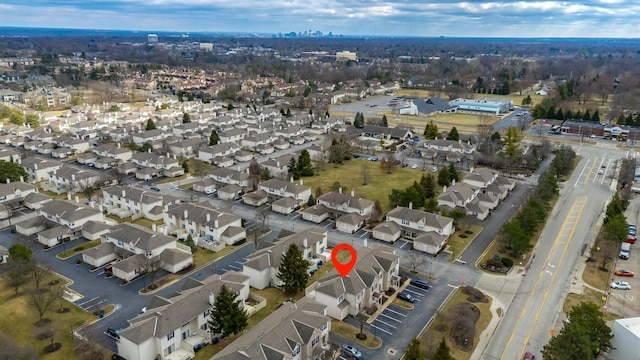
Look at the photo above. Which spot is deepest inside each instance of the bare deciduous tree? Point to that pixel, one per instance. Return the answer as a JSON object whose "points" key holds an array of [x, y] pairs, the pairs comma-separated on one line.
{"points": [[388, 163], [364, 171], [415, 259]]}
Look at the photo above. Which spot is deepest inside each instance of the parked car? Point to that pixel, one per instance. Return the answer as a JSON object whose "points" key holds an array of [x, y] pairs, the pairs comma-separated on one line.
{"points": [[434, 168], [529, 356], [633, 232], [620, 285], [406, 297], [600, 172], [423, 284], [351, 351], [631, 240], [414, 166], [632, 226], [111, 332], [624, 273], [210, 191], [155, 188]]}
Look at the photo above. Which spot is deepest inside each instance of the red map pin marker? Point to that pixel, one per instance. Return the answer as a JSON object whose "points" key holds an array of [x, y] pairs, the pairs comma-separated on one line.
{"points": [[343, 269]]}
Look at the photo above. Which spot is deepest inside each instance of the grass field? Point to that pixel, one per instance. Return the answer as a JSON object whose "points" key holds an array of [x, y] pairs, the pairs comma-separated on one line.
{"points": [[515, 97], [18, 318], [431, 338], [350, 176], [78, 248], [588, 295]]}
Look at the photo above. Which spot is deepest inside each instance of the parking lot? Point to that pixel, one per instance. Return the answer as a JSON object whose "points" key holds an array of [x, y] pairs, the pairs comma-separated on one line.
{"points": [[626, 302], [369, 106]]}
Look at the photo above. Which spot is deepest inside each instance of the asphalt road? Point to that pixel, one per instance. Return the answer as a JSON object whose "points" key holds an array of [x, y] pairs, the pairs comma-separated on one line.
{"points": [[536, 305]]}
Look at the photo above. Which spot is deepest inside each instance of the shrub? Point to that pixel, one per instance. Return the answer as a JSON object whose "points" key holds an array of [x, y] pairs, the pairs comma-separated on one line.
{"points": [[508, 262], [495, 264]]}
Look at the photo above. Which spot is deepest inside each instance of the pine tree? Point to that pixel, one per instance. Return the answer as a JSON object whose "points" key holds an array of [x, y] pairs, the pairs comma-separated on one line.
{"points": [[288, 114], [358, 121], [185, 166], [442, 352], [444, 179], [596, 117], [293, 168], [293, 270], [186, 118], [311, 201], [586, 116], [453, 173], [214, 138], [326, 114], [150, 125], [227, 315], [431, 131], [305, 166], [559, 114], [453, 134], [384, 121], [414, 352], [568, 115]]}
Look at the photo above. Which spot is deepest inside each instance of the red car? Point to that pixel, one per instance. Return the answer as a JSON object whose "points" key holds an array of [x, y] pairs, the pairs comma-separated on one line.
{"points": [[624, 273], [529, 356], [631, 240]]}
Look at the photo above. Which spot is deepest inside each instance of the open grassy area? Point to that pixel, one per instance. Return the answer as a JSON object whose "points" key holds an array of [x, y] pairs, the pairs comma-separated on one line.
{"points": [[350, 176], [18, 319], [465, 123], [593, 273], [172, 179], [78, 248], [430, 339], [515, 97], [456, 244], [146, 222], [349, 331]]}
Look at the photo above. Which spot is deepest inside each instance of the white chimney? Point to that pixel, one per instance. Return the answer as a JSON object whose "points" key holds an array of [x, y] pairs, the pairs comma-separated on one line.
{"points": [[124, 193], [118, 145], [101, 208], [92, 204], [77, 199], [174, 157], [154, 227], [186, 213], [453, 182], [291, 179], [301, 181], [69, 196], [410, 204], [8, 180], [212, 298], [35, 166], [215, 223], [21, 178], [353, 193], [166, 208], [149, 151], [340, 189], [444, 189], [305, 243]]}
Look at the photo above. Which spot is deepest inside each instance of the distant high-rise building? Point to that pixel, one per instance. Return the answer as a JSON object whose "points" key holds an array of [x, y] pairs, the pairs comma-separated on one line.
{"points": [[152, 38]]}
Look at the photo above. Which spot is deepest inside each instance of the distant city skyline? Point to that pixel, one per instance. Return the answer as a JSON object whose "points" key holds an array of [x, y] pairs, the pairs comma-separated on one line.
{"points": [[474, 18]]}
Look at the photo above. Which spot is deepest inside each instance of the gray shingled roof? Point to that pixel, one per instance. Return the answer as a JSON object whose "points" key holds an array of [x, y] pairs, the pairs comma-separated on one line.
{"points": [[141, 237], [67, 210], [336, 198], [433, 220]]}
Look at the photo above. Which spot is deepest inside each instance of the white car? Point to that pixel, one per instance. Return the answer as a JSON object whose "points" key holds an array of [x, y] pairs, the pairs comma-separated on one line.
{"points": [[620, 285], [434, 168], [414, 166]]}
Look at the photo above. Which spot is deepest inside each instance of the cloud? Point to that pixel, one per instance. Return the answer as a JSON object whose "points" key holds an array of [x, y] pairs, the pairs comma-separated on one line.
{"points": [[587, 18]]}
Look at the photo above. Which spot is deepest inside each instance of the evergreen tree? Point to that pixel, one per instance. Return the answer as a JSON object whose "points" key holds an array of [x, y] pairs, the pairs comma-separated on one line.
{"points": [[586, 116], [282, 112], [453, 173], [559, 114], [596, 117], [293, 168], [186, 118], [305, 166], [495, 136], [629, 120], [620, 120], [431, 131], [11, 171], [288, 114], [442, 352], [214, 138], [190, 243], [311, 201], [568, 115], [431, 205], [150, 125], [227, 315], [444, 179], [427, 184], [414, 352], [358, 121], [185, 166], [578, 115], [384, 121], [293, 270], [453, 134], [551, 113]]}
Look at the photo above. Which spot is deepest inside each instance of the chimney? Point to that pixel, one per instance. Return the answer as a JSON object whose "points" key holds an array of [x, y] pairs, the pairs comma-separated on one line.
{"points": [[77, 199], [149, 151], [8, 180], [301, 181], [453, 182], [444, 189], [154, 227], [208, 217], [35, 166], [459, 141], [410, 204], [73, 177], [291, 179], [174, 157], [124, 193], [215, 223], [353, 193], [212, 298], [100, 207], [186, 213], [21, 178], [305, 243], [92, 204], [118, 145], [340, 189], [69, 196], [166, 208]]}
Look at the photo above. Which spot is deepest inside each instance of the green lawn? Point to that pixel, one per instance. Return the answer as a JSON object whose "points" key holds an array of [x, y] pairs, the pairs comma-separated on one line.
{"points": [[18, 320], [349, 331], [457, 244], [430, 339], [78, 248], [351, 175]]}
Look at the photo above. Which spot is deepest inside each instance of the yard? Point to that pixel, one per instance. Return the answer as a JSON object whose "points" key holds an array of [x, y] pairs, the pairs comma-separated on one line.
{"points": [[18, 320], [78, 248], [460, 321], [349, 331], [588, 295], [350, 175], [459, 240]]}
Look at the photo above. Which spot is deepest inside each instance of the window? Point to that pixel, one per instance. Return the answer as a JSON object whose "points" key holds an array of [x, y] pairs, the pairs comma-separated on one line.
{"points": [[405, 222], [170, 336], [170, 349], [296, 351], [315, 341], [323, 327], [340, 298]]}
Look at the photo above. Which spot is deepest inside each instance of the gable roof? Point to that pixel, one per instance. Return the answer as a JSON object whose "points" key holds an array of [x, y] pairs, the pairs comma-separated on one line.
{"points": [[413, 215], [272, 255]]}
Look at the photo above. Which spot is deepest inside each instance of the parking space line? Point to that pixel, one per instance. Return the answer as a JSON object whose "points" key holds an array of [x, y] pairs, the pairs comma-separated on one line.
{"points": [[238, 262], [84, 302], [381, 329], [234, 267], [395, 312], [414, 292], [326, 226], [404, 243], [419, 289], [389, 325], [296, 216], [363, 235], [387, 316]]}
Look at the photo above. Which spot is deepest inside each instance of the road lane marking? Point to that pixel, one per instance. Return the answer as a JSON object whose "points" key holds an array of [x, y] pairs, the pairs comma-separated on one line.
{"points": [[583, 201]]}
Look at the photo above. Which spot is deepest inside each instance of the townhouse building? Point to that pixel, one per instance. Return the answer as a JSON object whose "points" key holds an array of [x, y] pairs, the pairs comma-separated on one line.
{"points": [[209, 227]]}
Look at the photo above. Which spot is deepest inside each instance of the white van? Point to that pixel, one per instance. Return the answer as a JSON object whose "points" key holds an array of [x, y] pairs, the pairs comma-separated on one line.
{"points": [[625, 248]]}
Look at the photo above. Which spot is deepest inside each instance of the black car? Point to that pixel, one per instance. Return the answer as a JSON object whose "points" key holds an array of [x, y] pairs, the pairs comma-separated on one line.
{"points": [[406, 297], [111, 332], [423, 284], [155, 188]]}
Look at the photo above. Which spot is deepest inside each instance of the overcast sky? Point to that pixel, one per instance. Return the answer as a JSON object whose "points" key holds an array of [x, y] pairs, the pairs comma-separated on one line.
{"points": [[475, 18]]}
